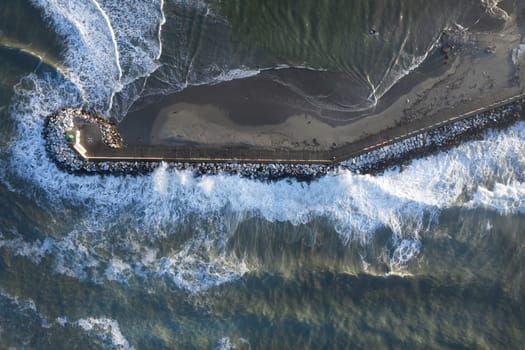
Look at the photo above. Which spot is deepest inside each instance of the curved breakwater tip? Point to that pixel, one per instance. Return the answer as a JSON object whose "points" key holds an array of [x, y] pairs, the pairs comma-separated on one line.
{"points": [[63, 145]]}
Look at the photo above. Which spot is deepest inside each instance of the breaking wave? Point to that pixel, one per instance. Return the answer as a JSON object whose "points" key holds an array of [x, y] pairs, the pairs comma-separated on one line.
{"points": [[103, 328], [123, 48], [407, 203], [487, 173], [106, 329]]}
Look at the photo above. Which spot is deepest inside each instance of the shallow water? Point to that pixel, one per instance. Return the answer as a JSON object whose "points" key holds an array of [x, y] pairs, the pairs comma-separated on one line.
{"points": [[430, 257]]}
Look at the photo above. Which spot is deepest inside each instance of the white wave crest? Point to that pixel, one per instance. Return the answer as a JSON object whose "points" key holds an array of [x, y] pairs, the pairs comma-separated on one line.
{"points": [[197, 266], [106, 329], [138, 37], [357, 205], [405, 64], [91, 59], [405, 251], [122, 48], [213, 75], [118, 270], [26, 307], [224, 344], [504, 198], [72, 255]]}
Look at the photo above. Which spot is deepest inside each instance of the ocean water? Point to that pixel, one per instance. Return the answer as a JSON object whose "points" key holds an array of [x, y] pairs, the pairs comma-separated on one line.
{"points": [[430, 257]]}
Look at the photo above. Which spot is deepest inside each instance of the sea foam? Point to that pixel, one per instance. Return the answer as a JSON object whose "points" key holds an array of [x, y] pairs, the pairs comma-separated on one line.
{"points": [[106, 329], [486, 173], [103, 62]]}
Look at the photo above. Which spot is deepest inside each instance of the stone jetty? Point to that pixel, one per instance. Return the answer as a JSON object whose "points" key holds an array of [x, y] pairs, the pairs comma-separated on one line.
{"points": [[74, 136], [440, 138]]}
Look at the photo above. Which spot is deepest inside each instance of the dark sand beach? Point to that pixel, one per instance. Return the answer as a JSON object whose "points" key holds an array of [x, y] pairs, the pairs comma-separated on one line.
{"points": [[297, 109]]}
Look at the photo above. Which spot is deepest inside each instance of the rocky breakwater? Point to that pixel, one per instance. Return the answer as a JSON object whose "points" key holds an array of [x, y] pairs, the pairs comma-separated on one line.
{"points": [[434, 139], [60, 135]]}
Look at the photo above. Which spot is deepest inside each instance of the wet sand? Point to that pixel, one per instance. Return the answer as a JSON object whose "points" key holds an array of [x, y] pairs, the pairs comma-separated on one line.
{"points": [[267, 111]]}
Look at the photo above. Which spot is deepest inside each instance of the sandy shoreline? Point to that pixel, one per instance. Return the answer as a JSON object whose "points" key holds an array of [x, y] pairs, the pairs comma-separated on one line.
{"points": [[259, 112], [207, 124]]}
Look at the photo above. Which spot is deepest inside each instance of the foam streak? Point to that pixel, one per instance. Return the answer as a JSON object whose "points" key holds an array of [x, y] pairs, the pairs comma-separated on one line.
{"points": [[116, 50], [159, 34]]}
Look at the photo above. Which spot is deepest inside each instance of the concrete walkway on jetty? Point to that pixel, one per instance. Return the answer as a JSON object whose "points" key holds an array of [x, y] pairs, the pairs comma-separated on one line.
{"points": [[89, 144]]}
